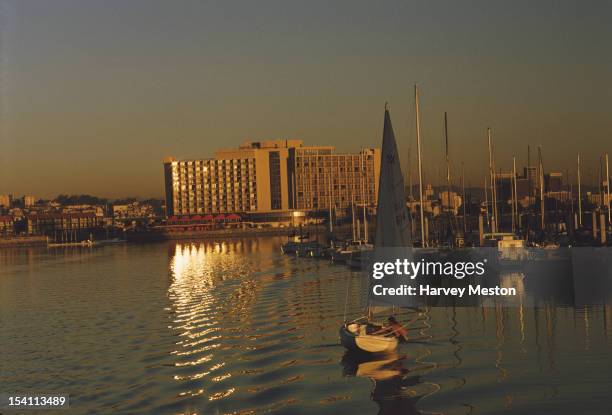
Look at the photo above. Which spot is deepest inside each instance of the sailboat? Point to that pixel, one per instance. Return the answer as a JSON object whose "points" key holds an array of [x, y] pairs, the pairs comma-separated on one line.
{"points": [[392, 230]]}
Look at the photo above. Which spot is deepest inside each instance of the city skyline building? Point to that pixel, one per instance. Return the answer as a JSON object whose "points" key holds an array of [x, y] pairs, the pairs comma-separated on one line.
{"points": [[271, 176]]}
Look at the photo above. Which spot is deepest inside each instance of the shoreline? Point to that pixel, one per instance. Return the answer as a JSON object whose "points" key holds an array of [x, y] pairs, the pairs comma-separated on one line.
{"points": [[23, 241], [158, 235]]}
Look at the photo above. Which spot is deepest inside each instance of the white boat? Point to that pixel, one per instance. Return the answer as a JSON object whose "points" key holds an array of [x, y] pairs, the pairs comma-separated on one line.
{"points": [[354, 336], [511, 248]]}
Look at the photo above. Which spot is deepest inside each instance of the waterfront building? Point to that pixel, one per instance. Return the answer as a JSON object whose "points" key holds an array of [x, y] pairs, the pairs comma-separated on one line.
{"points": [[561, 195], [598, 199], [75, 226], [452, 202], [270, 176], [6, 226], [322, 179], [29, 201], [133, 210], [6, 201]]}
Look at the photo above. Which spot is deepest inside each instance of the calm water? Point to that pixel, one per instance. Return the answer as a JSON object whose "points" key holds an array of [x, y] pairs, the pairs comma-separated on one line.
{"points": [[236, 328]]}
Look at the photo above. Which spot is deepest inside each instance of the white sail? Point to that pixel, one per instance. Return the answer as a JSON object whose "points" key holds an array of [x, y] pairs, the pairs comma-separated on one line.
{"points": [[392, 221]]}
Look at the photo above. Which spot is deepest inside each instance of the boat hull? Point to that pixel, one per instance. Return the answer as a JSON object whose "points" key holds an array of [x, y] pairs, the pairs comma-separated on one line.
{"points": [[364, 343]]}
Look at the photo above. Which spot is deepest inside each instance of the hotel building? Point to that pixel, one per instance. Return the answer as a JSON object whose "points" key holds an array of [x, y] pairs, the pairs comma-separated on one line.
{"points": [[271, 176]]}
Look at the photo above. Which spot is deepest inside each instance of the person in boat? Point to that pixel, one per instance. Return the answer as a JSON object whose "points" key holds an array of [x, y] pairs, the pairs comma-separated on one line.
{"points": [[395, 328]]}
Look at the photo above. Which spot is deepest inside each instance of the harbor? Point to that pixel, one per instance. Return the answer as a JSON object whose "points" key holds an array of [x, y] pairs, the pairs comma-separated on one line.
{"points": [[305, 208], [235, 326]]}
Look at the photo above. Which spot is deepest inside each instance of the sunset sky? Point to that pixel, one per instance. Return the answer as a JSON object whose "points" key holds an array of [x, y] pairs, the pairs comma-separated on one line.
{"points": [[93, 94]]}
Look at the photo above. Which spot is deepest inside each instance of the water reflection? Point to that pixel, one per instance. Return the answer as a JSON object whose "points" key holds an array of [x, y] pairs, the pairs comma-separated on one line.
{"points": [[396, 389], [237, 328]]}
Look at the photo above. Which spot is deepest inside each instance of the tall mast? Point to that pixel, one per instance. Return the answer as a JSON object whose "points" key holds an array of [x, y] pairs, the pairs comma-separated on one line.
{"points": [[529, 178], [600, 182], [513, 192], [409, 171], [494, 219], [608, 189], [487, 202], [541, 186], [418, 136], [353, 216], [579, 195], [448, 182], [463, 199], [363, 199], [331, 202]]}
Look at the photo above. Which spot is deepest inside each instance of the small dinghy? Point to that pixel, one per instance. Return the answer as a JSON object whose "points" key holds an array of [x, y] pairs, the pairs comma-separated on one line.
{"points": [[354, 336]]}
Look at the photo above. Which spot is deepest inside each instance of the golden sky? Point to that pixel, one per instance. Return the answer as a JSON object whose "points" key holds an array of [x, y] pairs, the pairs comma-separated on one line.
{"points": [[94, 94]]}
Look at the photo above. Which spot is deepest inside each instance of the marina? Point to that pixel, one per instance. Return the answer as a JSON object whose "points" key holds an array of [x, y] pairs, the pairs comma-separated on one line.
{"points": [[305, 208]]}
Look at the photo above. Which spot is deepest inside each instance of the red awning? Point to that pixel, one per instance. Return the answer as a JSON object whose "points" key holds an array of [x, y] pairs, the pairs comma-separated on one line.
{"points": [[220, 217], [196, 217], [232, 216], [185, 219], [172, 219], [209, 218]]}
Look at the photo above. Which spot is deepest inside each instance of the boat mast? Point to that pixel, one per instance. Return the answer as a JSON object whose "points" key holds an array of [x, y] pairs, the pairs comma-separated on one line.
{"points": [[409, 171], [487, 203], [463, 199], [541, 186], [363, 199], [331, 201], [608, 188], [529, 177], [448, 181], [513, 194], [518, 217], [579, 195], [418, 136], [494, 219], [448, 185], [600, 182], [353, 216]]}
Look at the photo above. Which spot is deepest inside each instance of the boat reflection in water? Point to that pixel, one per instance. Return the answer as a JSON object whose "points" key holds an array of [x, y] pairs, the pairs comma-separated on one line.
{"points": [[396, 388]]}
